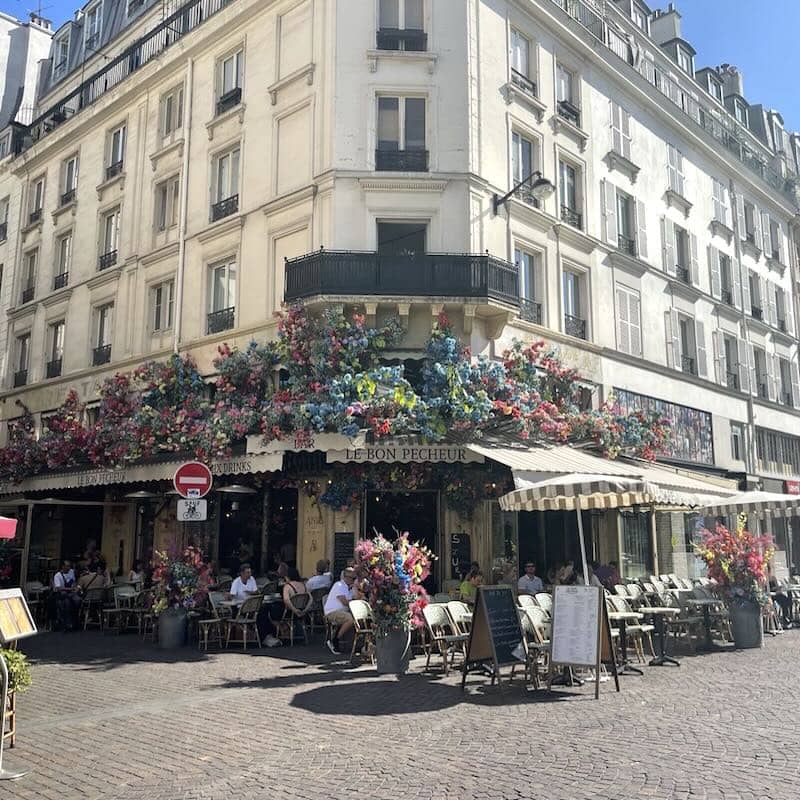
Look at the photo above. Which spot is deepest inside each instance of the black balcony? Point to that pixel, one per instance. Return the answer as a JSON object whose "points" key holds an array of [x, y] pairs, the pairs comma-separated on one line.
{"points": [[409, 39], [229, 100], [758, 313], [224, 208], [688, 364], [525, 193], [20, 377], [401, 160], [763, 391], [530, 311], [726, 296], [569, 112], [107, 260], [626, 244], [572, 217], [53, 368], [101, 355], [682, 273], [347, 272], [60, 280], [781, 323], [523, 82], [3, 231], [112, 170], [35, 216], [786, 398], [27, 294], [68, 197], [732, 380], [574, 326], [221, 320], [134, 4]]}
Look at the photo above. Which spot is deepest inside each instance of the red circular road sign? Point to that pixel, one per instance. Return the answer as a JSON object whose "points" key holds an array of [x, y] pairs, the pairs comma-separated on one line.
{"points": [[192, 479]]}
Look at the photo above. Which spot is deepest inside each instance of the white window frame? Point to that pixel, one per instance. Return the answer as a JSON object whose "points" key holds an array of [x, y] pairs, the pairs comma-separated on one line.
{"points": [[103, 325], [234, 175], [401, 16], [31, 268], [402, 99], [55, 343], [92, 35], [571, 84], [719, 196], [5, 204], [236, 57], [62, 268], [162, 305], [60, 65], [66, 185], [37, 194], [628, 303], [620, 130], [171, 116], [168, 199], [676, 179], [116, 153], [518, 38], [740, 107], [531, 274], [112, 214], [685, 60], [22, 359], [228, 266]]}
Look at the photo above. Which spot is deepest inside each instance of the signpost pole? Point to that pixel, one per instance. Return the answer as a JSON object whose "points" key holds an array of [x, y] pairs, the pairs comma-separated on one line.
{"points": [[26, 547], [5, 774]]}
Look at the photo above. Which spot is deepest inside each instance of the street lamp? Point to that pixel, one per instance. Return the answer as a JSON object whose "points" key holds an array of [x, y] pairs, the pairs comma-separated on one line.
{"points": [[541, 189]]}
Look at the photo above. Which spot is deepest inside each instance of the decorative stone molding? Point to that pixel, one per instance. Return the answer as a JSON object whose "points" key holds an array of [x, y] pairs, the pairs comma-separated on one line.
{"points": [[57, 212], [573, 131], [306, 72], [402, 185], [678, 201], [106, 186], [172, 147], [237, 112], [226, 225], [514, 94], [616, 161], [722, 230], [425, 57]]}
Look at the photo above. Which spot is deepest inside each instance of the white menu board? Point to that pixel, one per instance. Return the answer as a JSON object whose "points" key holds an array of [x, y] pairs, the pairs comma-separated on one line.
{"points": [[575, 636]]}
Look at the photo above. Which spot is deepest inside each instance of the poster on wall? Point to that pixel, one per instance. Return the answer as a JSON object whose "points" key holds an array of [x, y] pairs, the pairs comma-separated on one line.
{"points": [[460, 555]]}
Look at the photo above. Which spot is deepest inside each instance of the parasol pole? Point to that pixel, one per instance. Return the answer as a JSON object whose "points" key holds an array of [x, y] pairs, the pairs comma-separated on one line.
{"points": [[583, 543]]}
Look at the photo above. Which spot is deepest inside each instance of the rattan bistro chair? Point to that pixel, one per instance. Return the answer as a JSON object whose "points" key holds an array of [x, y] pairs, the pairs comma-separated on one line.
{"points": [[211, 628], [296, 611], [92, 607], [363, 630], [442, 635], [244, 623], [461, 615], [526, 601], [545, 601]]}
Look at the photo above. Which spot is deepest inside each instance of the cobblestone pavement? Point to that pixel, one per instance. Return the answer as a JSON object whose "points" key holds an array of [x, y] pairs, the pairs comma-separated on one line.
{"points": [[112, 717]]}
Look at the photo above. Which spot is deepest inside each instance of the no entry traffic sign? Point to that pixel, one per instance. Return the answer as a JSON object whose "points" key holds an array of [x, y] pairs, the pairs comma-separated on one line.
{"points": [[192, 479]]}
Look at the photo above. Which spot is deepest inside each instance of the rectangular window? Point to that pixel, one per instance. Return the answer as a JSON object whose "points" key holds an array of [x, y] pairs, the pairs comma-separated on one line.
{"points": [[93, 25], [625, 215], [4, 206], [23, 352], [231, 73], [685, 61], [775, 240], [403, 239], [110, 233], [530, 291], [172, 111], [687, 345], [524, 160], [629, 323], [750, 223], [401, 25], [730, 350], [568, 185], [37, 198], [55, 338], [620, 130], [784, 375], [715, 89], [675, 170], [725, 279], [105, 316], [116, 152], [63, 259], [756, 305], [564, 85], [168, 195], [637, 557], [719, 193], [761, 373], [737, 441], [740, 112], [225, 191], [162, 302], [574, 323], [521, 74], [682, 257], [401, 134], [780, 309], [639, 19], [60, 56], [29, 276], [5, 141], [223, 287]]}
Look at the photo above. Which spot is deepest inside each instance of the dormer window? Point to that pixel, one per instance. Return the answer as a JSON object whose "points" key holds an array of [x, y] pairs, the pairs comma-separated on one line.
{"points": [[740, 111], [639, 18], [715, 89], [685, 61], [60, 56], [94, 21]]}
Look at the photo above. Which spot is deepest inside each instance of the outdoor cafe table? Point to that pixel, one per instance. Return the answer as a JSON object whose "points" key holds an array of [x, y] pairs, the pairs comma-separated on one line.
{"points": [[658, 613], [235, 602], [623, 617], [707, 603]]}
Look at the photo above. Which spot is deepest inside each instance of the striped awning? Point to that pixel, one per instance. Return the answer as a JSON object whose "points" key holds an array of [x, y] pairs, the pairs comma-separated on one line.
{"points": [[769, 504], [576, 491]]}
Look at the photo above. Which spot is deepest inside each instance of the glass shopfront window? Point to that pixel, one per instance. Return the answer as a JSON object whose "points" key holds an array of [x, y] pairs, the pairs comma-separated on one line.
{"points": [[636, 551], [505, 548]]}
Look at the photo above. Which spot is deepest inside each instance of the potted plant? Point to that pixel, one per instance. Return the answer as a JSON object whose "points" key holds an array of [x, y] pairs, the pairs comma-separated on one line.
{"points": [[737, 560], [19, 670], [181, 583], [393, 573]]}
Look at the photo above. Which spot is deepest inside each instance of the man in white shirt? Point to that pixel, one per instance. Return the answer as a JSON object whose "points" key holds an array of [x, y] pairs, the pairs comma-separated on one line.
{"points": [[68, 601], [530, 582], [323, 578], [244, 585], [337, 608]]}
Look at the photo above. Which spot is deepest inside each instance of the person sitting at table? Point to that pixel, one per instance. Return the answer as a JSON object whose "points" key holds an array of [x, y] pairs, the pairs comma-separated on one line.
{"points": [[530, 582], [337, 609], [68, 601], [780, 598], [136, 574], [593, 579], [469, 586], [243, 586], [95, 579], [323, 578]]}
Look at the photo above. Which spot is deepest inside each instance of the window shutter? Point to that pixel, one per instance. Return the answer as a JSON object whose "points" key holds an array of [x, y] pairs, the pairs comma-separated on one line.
{"points": [[635, 322], [623, 321], [758, 241], [668, 245], [717, 189], [672, 168], [616, 127], [763, 300], [795, 384], [640, 224], [608, 197], [625, 121], [736, 284], [788, 302], [781, 245], [673, 346], [765, 233], [747, 301], [741, 220], [700, 344], [720, 361], [681, 190], [744, 371], [751, 362], [694, 263], [713, 265], [772, 304], [770, 359]]}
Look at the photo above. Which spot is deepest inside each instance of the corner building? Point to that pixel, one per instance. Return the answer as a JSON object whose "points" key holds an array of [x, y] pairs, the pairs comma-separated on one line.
{"points": [[192, 166]]}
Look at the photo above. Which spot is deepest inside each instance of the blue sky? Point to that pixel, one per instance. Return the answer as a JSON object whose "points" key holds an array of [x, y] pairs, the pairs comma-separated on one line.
{"points": [[759, 38]]}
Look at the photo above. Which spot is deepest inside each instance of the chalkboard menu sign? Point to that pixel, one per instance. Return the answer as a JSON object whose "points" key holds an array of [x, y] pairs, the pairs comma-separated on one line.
{"points": [[460, 555], [496, 636], [344, 544]]}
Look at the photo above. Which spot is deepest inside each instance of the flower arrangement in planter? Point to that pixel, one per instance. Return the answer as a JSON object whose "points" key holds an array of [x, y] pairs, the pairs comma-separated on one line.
{"points": [[19, 670], [181, 580], [394, 573], [737, 560]]}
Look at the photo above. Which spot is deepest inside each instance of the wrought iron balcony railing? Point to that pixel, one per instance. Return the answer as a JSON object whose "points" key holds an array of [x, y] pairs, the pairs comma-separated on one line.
{"points": [[682, 273], [763, 389], [107, 260], [348, 272], [689, 364], [35, 216], [401, 160], [530, 311], [569, 112], [572, 217], [60, 280], [53, 368], [229, 100], [575, 326], [523, 82], [726, 296], [101, 355], [781, 323], [409, 39], [224, 208], [626, 244], [222, 320], [114, 169], [758, 313], [20, 377], [732, 380], [67, 197], [27, 294]]}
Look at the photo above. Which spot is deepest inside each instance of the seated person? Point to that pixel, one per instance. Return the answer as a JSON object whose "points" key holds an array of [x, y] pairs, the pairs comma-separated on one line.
{"points": [[95, 579], [323, 578], [530, 582], [293, 586], [68, 601], [136, 575], [781, 599], [337, 608], [469, 586], [245, 585]]}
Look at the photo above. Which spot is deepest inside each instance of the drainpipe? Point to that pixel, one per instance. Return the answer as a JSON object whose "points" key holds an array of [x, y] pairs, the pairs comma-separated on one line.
{"points": [[187, 142], [750, 444]]}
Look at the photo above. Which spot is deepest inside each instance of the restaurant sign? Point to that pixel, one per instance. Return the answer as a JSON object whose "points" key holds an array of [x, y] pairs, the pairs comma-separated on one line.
{"points": [[405, 454], [791, 487]]}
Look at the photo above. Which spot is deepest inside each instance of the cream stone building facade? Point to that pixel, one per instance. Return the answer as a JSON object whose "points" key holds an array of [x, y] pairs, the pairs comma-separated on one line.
{"points": [[182, 153]]}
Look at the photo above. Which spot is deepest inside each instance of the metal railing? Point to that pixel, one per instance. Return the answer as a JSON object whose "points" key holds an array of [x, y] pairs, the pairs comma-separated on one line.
{"points": [[401, 160], [20, 377], [781, 323], [27, 294], [114, 169], [569, 112], [757, 313], [107, 260], [152, 44], [574, 326], [787, 398], [525, 193], [53, 368], [763, 390], [732, 380], [35, 216], [523, 82], [688, 364], [626, 244], [67, 197], [409, 39], [350, 272], [530, 311], [229, 100], [221, 320], [726, 296], [224, 208], [3, 231], [571, 217], [60, 280], [101, 355], [682, 273]]}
